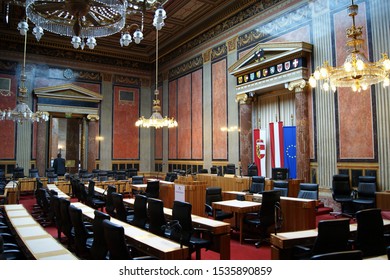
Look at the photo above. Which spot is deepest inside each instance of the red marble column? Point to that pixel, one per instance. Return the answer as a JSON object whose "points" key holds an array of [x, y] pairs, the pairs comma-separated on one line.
{"points": [[302, 125], [92, 145], [245, 136], [41, 147]]}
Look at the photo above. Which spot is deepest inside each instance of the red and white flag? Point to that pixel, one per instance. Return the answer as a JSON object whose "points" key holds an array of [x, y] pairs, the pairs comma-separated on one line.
{"points": [[276, 144], [259, 138]]}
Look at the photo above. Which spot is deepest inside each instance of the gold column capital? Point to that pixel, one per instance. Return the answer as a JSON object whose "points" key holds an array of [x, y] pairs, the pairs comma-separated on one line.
{"points": [[93, 117], [297, 85]]}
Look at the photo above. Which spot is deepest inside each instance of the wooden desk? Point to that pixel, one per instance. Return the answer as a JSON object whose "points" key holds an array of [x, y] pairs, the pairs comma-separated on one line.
{"points": [[282, 243], [143, 240], [298, 213], [64, 186], [33, 239], [383, 200], [219, 229], [12, 192], [239, 208], [226, 183], [52, 186], [27, 184], [121, 185]]}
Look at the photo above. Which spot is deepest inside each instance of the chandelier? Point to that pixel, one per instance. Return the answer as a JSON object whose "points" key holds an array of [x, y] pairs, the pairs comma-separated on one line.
{"points": [[86, 20], [156, 120], [22, 111], [357, 72]]}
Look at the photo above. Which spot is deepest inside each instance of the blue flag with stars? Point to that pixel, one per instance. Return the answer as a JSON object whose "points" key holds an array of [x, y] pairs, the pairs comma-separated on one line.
{"points": [[290, 150]]}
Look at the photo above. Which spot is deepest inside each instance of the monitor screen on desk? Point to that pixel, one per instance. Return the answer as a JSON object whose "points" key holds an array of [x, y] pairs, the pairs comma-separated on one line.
{"points": [[279, 173]]}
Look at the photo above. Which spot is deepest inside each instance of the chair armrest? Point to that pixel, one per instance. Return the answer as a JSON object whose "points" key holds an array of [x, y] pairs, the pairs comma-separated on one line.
{"points": [[208, 208], [301, 252], [251, 215]]}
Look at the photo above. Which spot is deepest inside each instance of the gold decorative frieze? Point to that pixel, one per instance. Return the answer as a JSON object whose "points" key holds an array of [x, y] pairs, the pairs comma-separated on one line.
{"points": [[186, 67], [232, 44], [218, 52], [120, 79], [206, 56]]}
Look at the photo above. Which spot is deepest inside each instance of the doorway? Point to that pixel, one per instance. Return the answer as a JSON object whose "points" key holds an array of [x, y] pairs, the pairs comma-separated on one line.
{"points": [[66, 139]]}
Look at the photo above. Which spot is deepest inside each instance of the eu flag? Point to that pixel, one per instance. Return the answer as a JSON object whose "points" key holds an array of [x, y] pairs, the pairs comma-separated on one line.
{"points": [[290, 150]]}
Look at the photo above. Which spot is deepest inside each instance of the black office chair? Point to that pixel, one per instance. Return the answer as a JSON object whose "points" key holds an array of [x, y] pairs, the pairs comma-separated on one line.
{"points": [[308, 191], [99, 249], [67, 227], [55, 200], [214, 194], [140, 215], [135, 180], [49, 171], [371, 238], [33, 173], [257, 184], [268, 216], [51, 178], [252, 170], [156, 216], [281, 186], [364, 196], [342, 193], [170, 177], [181, 230], [203, 171], [118, 249], [93, 200], [83, 236], [131, 172], [213, 170], [345, 255], [230, 169], [152, 189], [388, 252], [8, 252], [121, 212], [333, 236], [120, 175], [18, 173], [110, 208]]}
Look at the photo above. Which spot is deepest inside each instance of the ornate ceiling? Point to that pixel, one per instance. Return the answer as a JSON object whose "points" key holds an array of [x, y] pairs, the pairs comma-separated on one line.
{"points": [[186, 20]]}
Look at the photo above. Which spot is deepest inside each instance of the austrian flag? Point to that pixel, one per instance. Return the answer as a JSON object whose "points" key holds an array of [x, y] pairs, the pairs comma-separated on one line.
{"points": [[276, 144]]}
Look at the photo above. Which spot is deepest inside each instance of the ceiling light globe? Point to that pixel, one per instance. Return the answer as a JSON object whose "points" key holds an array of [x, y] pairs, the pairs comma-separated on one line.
{"points": [[324, 72], [386, 82], [312, 82], [348, 66], [76, 41], [23, 27], [317, 75], [38, 32], [125, 39], [138, 36], [325, 86], [386, 64], [91, 42]]}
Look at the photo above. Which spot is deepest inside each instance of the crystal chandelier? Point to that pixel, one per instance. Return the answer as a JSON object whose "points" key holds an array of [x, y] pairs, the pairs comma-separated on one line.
{"points": [[86, 20], [357, 72], [22, 111], [156, 120]]}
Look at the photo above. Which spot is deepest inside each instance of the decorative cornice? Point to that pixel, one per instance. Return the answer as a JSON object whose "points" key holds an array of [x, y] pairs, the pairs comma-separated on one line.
{"points": [[207, 56], [120, 79], [232, 44]]}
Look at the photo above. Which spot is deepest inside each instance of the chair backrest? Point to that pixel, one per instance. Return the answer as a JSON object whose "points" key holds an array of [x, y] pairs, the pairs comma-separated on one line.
{"points": [[181, 212], [65, 217], [281, 186], [170, 176], [52, 177], [213, 170], [140, 211], [345, 255], [366, 190], [152, 189], [120, 175], [367, 179], [103, 176], [99, 248], [252, 170], [230, 168], [91, 188], [49, 171], [83, 192], [308, 191], [137, 180], [213, 194], [370, 232], [203, 170], [110, 208], [341, 185], [131, 172], [33, 173], [18, 173], [120, 210], [156, 216], [332, 236], [114, 236], [267, 211], [42, 192], [80, 231], [257, 185], [55, 202]]}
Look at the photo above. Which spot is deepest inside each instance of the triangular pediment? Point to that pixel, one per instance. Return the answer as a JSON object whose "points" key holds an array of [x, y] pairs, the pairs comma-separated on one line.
{"points": [[68, 91], [269, 66], [68, 99]]}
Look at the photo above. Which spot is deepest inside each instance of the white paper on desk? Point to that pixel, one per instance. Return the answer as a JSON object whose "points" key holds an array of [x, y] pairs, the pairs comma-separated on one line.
{"points": [[180, 192]]}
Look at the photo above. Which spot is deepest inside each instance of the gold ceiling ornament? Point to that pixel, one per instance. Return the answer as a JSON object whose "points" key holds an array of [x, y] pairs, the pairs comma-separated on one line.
{"points": [[86, 20], [22, 111], [357, 72], [156, 120]]}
